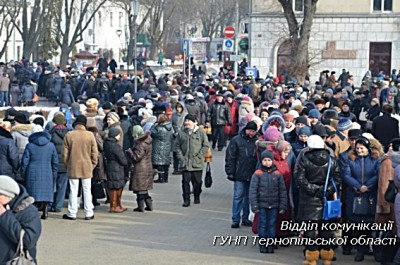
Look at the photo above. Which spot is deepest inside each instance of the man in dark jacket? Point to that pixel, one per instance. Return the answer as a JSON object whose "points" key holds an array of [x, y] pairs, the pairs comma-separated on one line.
{"points": [[219, 116], [8, 154], [17, 213], [385, 128], [240, 164], [310, 174]]}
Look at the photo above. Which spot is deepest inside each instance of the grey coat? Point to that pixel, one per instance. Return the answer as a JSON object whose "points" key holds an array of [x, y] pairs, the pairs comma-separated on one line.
{"points": [[162, 135]]}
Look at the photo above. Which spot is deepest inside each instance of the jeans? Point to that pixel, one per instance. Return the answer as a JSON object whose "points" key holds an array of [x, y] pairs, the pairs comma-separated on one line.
{"points": [[3, 98], [267, 222], [240, 201], [73, 197], [61, 187]]}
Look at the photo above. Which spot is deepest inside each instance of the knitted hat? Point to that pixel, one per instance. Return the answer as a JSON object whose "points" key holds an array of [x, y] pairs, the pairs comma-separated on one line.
{"points": [[251, 125], [92, 103], [137, 131], [314, 113], [315, 142], [81, 119], [75, 108], [344, 124], [275, 101], [267, 153], [59, 119], [190, 117], [113, 116], [305, 130], [302, 120], [271, 134], [8, 186], [112, 132], [282, 145], [355, 133]]}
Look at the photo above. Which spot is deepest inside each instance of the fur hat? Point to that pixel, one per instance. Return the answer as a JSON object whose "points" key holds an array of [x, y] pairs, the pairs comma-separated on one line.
{"points": [[267, 153], [8, 186], [92, 104], [108, 105]]}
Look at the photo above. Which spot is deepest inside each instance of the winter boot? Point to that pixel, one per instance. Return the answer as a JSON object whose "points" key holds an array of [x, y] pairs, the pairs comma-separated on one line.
{"points": [[166, 176], [327, 256], [160, 177], [311, 257], [140, 203], [119, 206], [196, 199], [149, 203], [114, 202], [45, 211], [186, 202]]}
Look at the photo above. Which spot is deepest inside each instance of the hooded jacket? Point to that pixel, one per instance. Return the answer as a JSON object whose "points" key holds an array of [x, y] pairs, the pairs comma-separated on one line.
{"points": [[8, 154]]}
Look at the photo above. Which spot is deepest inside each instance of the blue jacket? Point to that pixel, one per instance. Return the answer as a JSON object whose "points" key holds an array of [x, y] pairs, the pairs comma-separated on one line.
{"points": [[22, 215], [39, 167]]}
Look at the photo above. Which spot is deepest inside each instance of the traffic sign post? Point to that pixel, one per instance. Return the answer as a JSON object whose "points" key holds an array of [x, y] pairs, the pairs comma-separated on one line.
{"points": [[229, 32], [228, 45], [250, 71]]}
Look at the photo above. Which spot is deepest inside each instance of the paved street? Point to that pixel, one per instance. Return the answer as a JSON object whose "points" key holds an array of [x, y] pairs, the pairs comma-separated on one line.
{"points": [[169, 235]]}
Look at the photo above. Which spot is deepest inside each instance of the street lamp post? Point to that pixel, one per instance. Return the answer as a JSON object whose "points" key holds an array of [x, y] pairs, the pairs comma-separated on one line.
{"points": [[119, 32], [135, 5]]}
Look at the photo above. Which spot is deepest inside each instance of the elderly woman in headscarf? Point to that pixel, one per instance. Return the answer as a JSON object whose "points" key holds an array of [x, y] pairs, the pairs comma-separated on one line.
{"points": [[142, 172]]}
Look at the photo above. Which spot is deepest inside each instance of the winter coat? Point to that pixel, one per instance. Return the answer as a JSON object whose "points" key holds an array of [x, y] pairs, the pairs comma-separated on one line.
{"points": [[22, 215], [162, 135], [193, 108], [385, 128], [298, 146], [218, 114], [126, 132], [27, 92], [8, 154], [340, 142], [190, 149], [373, 112], [58, 84], [115, 162], [177, 121], [93, 114], [310, 175], [80, 153], [349, 115], [234, 113], [267, 189], [99, 173], [57, 138], [354, 178], [140, 156], [20, 133], [241, 157], [66, 95], [39, 167], [14, 93]]}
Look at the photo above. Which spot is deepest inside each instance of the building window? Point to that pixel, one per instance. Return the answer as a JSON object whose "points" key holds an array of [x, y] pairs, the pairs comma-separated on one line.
{"points": [[120, 19], [298, 5], [111, 19], [382, 5]]}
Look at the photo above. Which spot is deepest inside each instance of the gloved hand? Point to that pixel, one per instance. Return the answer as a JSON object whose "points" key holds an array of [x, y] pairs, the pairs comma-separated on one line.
{"points": [[282, 211], [230, 177]]}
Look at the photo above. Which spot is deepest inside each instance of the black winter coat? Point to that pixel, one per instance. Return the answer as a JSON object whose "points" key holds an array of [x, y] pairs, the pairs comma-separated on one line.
{"points": [[162, 135], [241, 157], [66, 95], [310, 174], [115, 162], [219, 114], [267, 189], [8, 154], [385, 128], [22, 215], [57, 138]]}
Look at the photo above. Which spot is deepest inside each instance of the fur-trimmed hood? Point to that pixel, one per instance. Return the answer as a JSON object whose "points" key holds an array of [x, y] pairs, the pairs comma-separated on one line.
{"points": [[373, 153], [22, 127], [271, 119]]}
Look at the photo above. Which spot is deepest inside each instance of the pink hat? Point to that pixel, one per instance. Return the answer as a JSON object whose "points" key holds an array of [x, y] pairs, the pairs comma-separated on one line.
{"points": [[271, 134]]}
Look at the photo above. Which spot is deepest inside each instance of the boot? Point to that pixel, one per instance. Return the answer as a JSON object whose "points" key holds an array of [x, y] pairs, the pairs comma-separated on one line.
{"points": [[149, 203], [160, 177], [114, 202], [186, 202], [196, 199], [270, 249], [45, 210], [119, 206], [140, 203], [360, 254], [311, 257], [166, 176], [327, 256]]}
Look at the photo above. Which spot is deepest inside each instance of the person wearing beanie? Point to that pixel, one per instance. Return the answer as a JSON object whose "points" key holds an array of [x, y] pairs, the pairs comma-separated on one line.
{"points": [[141, 180], [310, 175], [313, 117], [361, 177], [267, 195], [301, 141], [113, 121], [272, 135], [116, 161], [239, 167], [345, 112], [339, 140], [292, 136], [59, 119], [177, 120], [17, 214], [192, 169], [80, 156]]}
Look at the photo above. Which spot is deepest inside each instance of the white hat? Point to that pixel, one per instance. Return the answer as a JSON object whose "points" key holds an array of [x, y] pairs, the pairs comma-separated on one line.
{"points": [[8, 186], [316, 142]]}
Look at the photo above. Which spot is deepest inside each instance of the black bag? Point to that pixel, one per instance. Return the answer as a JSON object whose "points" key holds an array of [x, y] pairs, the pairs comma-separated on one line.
{"points": [[363, 205], [391, 192], [98, 190], [208, 178]]}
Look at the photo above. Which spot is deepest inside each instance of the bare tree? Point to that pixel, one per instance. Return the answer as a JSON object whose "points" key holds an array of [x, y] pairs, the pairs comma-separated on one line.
{"points": [[6, 25], [72, 18], [299, 36]]}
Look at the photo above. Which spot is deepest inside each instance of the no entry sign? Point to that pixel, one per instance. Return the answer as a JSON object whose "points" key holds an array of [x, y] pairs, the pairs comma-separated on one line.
{"points": [[229, 32]]}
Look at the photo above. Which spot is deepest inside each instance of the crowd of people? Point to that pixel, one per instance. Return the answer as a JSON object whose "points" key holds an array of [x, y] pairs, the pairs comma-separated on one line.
{"points": [[282, 142]]}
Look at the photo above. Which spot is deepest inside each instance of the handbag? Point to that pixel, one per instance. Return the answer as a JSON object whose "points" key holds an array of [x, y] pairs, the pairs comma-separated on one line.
{"points": [[208, 178], [391, 192], [363, 204], [98, 190], [332, 208], [35, 98], [363, 115], [21, 257]]}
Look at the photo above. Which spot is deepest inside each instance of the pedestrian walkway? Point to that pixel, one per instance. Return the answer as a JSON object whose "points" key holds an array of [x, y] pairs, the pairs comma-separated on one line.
{"points": [[169, 235]]}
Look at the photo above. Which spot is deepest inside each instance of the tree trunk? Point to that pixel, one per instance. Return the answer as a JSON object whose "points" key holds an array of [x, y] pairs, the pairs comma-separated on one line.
{"points": [[299, 60]]}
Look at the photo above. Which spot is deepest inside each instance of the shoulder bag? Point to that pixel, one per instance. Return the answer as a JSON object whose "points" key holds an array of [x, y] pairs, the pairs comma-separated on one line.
{"points": [[391, 192], [332, 208], [21, 257], [363, 115], [363, 204]]}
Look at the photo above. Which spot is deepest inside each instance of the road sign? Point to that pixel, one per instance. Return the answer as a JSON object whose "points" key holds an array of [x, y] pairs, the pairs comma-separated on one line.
{"points": [[229, 32], [228, 45], [244, 44], [184, 45], [249, 71]]}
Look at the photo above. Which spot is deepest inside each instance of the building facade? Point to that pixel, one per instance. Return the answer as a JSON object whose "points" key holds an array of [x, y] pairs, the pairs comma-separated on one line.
{"points": [[357, 35]]}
